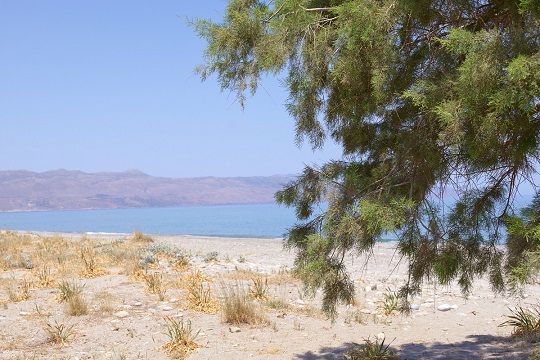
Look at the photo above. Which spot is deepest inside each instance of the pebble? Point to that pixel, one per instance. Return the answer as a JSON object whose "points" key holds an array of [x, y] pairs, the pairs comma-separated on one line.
{"points": [[234, 329], [367, 288], [138, 303], [381, 336], [446, 307], [24, 313], [167, 308], [415, 307], [121, 314], [299, 302]]}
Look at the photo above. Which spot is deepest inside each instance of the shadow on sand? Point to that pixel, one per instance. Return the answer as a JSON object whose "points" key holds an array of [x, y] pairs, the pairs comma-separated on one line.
{"points": [[476, 347]]}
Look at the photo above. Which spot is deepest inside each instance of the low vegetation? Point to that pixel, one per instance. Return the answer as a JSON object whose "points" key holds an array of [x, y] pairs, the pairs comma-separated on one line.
{"points": [[239, 308], [525, 321], [371, 350], [59, 332], [181, 337]]}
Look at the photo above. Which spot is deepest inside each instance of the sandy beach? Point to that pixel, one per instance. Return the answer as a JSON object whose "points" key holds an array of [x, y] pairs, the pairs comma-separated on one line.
{"points": [[127, 319]]}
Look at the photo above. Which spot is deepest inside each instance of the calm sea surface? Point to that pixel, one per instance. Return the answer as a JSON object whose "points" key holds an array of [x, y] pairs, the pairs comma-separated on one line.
{"points": [[266, 220]]}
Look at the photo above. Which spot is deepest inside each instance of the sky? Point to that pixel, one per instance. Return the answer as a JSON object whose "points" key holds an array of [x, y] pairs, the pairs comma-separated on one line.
{"points": [[109, 86]]}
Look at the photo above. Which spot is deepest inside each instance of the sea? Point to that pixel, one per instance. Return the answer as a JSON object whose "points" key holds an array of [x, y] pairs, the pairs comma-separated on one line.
{"points": [[260, 221]]}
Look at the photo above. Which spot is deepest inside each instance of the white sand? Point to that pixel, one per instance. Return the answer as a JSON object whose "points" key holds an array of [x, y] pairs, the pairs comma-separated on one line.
{"points": [[469, 330]]}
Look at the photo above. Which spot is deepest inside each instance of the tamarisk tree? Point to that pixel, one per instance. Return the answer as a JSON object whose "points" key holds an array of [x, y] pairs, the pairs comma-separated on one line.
{"points": [[429, 100]]}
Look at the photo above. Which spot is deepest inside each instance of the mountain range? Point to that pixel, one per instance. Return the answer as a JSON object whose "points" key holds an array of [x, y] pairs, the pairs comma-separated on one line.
{"points": [[23, 190]]}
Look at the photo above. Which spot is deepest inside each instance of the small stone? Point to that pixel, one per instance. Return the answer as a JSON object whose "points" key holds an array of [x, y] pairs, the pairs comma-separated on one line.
{"points": [[173, 300], [381, 336], [234, 329], [121, 314], [299, 302], [444, 307], [415, 307], [138, 303], [167, 308], [25, 313], [367, 288]]}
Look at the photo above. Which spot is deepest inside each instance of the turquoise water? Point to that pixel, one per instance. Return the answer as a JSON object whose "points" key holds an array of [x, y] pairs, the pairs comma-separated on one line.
{"points": [[264, 220]]}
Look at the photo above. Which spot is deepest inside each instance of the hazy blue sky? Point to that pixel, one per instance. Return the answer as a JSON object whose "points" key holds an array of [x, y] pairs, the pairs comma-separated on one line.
{"points": [[107, 85]]}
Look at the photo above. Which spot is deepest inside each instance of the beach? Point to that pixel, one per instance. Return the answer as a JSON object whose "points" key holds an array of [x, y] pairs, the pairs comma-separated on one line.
{"points": [[127, 312]]}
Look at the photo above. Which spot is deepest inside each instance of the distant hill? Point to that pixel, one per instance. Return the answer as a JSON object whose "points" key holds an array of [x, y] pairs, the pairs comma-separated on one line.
{"points": [[63, 189]]}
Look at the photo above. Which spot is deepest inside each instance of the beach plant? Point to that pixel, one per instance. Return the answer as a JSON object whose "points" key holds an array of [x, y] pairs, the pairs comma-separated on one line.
{"points": [[212, 256], [89, 259], [200, 297], [155, 284], [180, 260], [181, 337], [140, 237], [71, 295], [147, 258], [104, 301], [259, 288], [371, 350], [526, 322], [43, 274], [18, 293], [238, 308], [77, 306], [59, 332], [68, 290], [390, 303]]}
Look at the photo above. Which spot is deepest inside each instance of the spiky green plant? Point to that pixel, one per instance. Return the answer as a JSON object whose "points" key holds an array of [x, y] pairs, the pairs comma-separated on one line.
{"points": [[371, 350], [526, 322]]}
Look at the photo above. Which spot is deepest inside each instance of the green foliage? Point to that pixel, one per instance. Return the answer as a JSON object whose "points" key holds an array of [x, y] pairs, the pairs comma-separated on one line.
{"points": [[524, 246], [526, 322], [371, 350], [426, 99]]}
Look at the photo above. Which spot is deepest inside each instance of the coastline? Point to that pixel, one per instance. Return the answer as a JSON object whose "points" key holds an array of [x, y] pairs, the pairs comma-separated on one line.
{"points": [[468, 329]]}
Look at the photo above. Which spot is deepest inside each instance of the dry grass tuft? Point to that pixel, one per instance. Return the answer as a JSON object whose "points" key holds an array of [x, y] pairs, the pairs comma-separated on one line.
{"points": [[238, 308], [104, 301], [200, 297], [91, 268], [195, 276], [59, 333], [259, 288], [45, 280], [77, 306], [155, 285], [139, 237], [71, 294], [18, 292], [181, 337]]}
